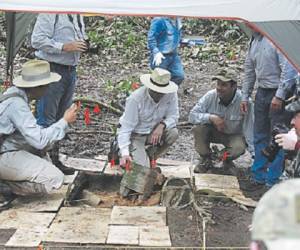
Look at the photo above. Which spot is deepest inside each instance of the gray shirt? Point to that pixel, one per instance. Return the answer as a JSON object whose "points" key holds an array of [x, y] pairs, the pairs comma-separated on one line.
{"points": [[142, 114], [235, 121], [50, 33], [19, 125], [263, 65]]}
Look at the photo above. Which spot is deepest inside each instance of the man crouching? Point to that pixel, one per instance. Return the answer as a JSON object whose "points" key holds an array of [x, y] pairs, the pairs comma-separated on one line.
{"points": [[22, 169], [217, 119], [149, 119]]}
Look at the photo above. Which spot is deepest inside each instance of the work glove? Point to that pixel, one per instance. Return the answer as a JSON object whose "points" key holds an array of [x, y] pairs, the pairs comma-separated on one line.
{"points": [[287, 141], [158, 58]]}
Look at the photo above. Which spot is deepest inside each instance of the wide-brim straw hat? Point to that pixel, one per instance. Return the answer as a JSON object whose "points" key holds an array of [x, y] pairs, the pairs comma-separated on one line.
{"points": [[159, 81], [35, 73]]}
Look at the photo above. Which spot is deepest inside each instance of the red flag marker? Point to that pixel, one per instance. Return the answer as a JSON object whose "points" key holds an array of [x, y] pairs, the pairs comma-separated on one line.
{"points": [[97, 109], [87, 119]]}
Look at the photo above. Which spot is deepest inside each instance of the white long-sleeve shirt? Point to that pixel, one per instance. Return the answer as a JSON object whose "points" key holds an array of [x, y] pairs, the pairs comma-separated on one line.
{"points": [[19, 126], [142, 114]]}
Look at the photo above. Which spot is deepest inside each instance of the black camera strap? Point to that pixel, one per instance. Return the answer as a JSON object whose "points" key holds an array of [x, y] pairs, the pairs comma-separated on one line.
{"points": [[79, 23]]}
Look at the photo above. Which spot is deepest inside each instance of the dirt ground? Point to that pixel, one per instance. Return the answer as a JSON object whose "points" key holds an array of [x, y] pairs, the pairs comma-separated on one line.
{"points": [[97, 77]]}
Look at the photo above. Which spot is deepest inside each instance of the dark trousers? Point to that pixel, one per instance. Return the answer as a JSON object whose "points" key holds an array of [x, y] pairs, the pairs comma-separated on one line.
{"points": [[264, 121]]}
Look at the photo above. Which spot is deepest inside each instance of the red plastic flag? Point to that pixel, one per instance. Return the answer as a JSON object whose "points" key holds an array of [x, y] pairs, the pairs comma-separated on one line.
{"points": [[135, 85], [97, 109], [225, 156], [87, 119]]}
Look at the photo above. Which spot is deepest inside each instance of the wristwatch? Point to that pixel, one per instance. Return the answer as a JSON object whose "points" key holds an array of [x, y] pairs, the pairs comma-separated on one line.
{"points": [[163, 123]]}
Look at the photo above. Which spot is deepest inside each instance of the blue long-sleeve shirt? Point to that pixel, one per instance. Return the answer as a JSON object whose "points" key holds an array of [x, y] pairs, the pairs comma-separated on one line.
{"points": [[235, 121], [19, 126], [164, 35], [51, 32], [263, 65]]}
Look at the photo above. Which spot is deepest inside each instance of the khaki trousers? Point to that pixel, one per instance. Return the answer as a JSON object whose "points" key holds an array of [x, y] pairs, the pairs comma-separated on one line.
{"points": [[28, 174], [204, 134], [141, 149]]}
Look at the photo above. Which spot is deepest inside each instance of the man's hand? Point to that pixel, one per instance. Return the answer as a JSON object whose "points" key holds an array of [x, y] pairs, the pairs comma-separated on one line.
{"points": [[75, 46], [287, 141], [126, 159], [157, 134], [244, 107], [70, 114], [276, 104], [158, 57], [218, 122]]}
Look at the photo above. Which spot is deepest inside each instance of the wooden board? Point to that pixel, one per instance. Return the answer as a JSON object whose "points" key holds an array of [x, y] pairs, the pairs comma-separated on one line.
{"points": [[169, 162], [80, 225], [222, 184], [47, 203], [31, 227], [154, 236], [89, 165], [123, 235], [138, 216], [216, 182], [16, 218], [92, 166], [180, 171]]}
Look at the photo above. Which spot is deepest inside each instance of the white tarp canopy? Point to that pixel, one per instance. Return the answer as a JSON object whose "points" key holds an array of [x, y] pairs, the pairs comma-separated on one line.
{"points": [[279, 20]]}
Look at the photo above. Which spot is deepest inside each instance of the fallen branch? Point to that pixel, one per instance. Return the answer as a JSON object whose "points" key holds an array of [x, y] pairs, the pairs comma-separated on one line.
{"points": [[90, 132], [94, 101]]}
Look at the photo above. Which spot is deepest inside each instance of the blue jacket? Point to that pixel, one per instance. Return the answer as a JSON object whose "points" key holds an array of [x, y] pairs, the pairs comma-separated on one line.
{"points": [[164, 36]]}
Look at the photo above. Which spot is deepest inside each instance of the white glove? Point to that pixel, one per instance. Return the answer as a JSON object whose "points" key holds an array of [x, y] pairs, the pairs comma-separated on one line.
{"points": [[158, 58], [287, 141]]}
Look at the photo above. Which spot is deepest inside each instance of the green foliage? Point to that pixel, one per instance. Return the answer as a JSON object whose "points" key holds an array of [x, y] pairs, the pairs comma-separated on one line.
{"points": [[124, 36]]}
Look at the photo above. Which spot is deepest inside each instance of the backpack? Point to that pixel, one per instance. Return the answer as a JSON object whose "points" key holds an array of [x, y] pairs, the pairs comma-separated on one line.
{"points": [[2, 99]]}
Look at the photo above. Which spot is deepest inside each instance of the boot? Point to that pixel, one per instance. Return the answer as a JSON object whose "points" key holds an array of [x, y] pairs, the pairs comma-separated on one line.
{"points": [[204, 165], [229, 168], [54, 155]]}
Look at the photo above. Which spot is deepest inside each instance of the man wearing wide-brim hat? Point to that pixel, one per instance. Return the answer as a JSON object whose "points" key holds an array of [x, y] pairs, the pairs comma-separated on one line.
{"points": [[150, 118], [22, 170], [217, 119]]}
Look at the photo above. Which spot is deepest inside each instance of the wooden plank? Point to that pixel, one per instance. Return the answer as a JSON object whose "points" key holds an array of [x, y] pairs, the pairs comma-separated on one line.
{"points": [[30, 227], [16, 218], [47, 203], [79, 225], [123, 235], [223, 184], [27, 237], [169, 162], [181, 171], [155, 237], [216, 182], [89, 165], [138, 216]]}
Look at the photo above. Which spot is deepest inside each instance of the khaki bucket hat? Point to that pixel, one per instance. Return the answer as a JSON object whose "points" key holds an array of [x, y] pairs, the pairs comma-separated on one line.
{"points": [[35, 73]]}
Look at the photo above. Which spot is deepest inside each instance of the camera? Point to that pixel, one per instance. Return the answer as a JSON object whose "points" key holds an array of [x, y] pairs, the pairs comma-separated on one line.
{"points": [[91, 47], [272, 149]]}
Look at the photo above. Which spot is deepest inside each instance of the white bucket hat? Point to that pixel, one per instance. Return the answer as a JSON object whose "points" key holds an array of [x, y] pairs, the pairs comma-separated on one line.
{"points": [[35, 73], [159, 81]]}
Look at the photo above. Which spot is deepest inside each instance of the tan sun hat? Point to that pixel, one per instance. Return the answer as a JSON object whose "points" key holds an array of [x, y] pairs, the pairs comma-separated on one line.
{"points": [[35, 73], [159, 81], [226, 75]]}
